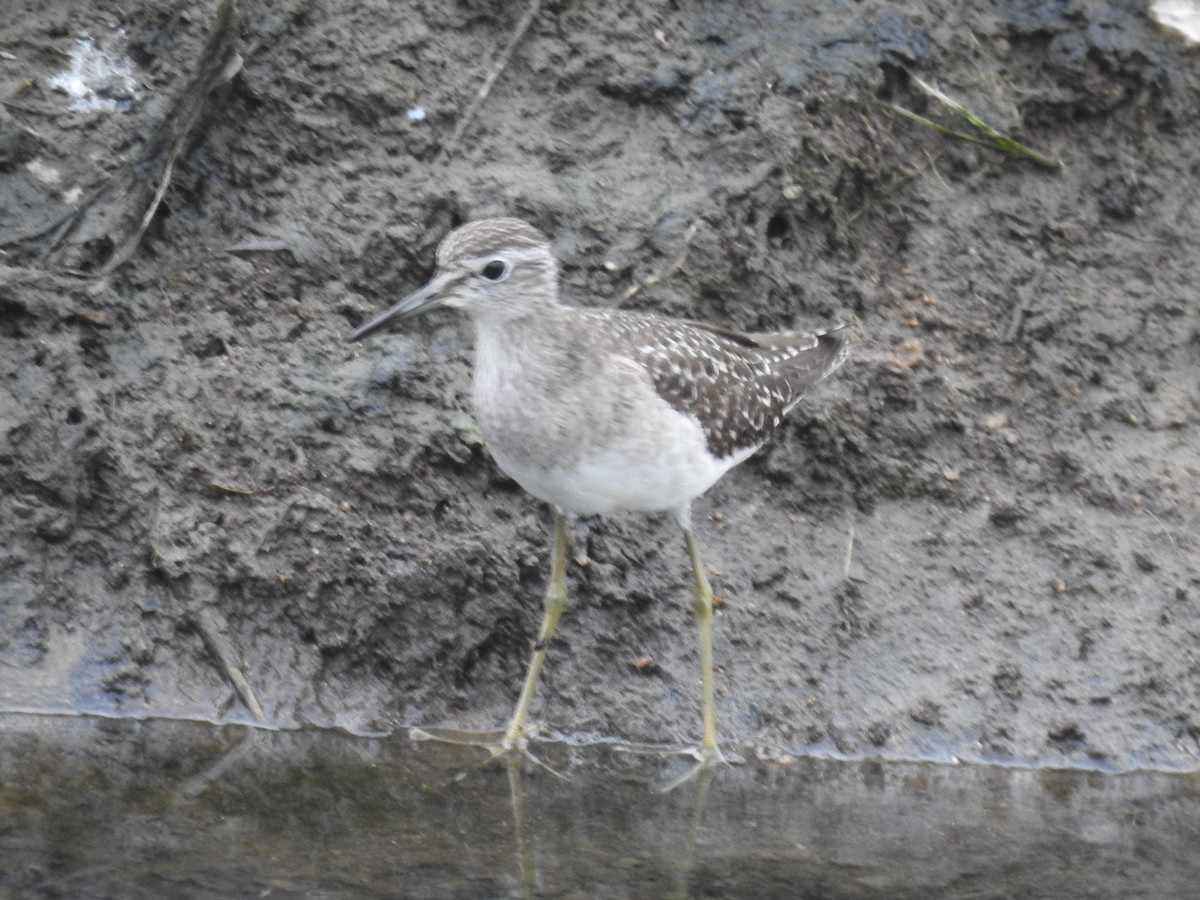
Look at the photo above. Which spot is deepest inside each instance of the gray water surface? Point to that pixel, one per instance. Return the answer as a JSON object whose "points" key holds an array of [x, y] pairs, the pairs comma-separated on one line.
{"points": [[129, 809]]}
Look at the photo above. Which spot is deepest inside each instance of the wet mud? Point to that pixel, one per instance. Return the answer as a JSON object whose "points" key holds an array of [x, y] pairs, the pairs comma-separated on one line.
{"points": [[978, 541]]}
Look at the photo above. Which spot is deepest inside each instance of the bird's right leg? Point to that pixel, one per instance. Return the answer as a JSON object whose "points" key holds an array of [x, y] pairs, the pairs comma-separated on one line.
{"points": [[702, 606]]}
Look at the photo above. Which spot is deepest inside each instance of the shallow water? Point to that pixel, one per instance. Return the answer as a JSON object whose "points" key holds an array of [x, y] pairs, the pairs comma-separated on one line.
{"points": [[124, 808]]}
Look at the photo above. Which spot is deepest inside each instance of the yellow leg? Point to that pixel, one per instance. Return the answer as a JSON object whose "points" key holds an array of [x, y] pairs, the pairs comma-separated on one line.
{"points": [[556, 597], [702, 606]]}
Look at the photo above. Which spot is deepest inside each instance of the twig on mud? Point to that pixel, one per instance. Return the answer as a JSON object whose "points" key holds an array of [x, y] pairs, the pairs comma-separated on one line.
{"points": [[1165, 530], [489, 82], [218, 645], [233, 489], [675, 269], [20, 126], [846, 560], [1016, 323], [994, 140], [1026, 304]]}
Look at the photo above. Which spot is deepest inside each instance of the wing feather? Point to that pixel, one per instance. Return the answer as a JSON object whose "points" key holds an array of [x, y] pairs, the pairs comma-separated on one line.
{"points": [[737, 386]]}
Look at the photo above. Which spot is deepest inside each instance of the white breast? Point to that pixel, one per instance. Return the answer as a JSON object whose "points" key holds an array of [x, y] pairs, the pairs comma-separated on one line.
{"points": [[661, 467], [600, 441]]}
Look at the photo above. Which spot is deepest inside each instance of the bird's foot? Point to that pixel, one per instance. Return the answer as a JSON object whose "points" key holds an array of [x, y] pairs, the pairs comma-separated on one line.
{"points": [[707, 759], [503, 747]]}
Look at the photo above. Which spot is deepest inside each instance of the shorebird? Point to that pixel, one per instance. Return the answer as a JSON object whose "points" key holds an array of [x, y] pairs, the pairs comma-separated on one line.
{"points": [[599, 410]]}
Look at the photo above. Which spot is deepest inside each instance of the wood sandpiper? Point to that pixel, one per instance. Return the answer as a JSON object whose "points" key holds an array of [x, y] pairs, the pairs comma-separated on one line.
{"points": [[599, 410]]}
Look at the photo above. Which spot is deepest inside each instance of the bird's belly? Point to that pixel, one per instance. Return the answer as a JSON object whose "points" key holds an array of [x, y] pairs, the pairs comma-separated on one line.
{"points": [[659, 469]]}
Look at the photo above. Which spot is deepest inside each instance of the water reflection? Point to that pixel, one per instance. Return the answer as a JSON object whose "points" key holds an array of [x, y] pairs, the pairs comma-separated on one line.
{"points": [[117, 808]]}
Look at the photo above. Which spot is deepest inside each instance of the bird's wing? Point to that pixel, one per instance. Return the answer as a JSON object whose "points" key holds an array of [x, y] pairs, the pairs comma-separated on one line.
{"points": [[807, 357], [737, 386]]}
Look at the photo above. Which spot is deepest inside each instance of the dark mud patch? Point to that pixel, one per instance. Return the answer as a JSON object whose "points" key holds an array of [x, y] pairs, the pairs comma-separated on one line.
{"points": [[1013, 448]]}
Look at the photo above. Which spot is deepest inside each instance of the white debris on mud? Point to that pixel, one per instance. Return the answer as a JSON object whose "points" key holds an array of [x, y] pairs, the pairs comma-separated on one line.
{"points": [[98, 80]]}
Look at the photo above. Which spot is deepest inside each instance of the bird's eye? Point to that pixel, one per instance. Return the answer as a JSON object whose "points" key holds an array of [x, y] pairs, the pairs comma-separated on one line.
{"points": [[495, 270]]}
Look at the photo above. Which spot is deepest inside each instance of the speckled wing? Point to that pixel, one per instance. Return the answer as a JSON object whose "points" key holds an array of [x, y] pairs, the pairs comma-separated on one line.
{"points": [[737, 386]]}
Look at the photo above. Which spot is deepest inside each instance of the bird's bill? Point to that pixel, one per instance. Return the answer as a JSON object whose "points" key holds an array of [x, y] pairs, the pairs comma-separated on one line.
{"points": [[415, 303]]}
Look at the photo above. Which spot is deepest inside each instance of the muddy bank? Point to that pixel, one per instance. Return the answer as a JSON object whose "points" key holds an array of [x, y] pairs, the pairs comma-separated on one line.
{"points": [[1013, 449]]}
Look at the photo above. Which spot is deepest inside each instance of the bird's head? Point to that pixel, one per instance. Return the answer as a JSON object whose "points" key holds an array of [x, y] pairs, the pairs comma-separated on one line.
{"points": [[500, 268]]}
